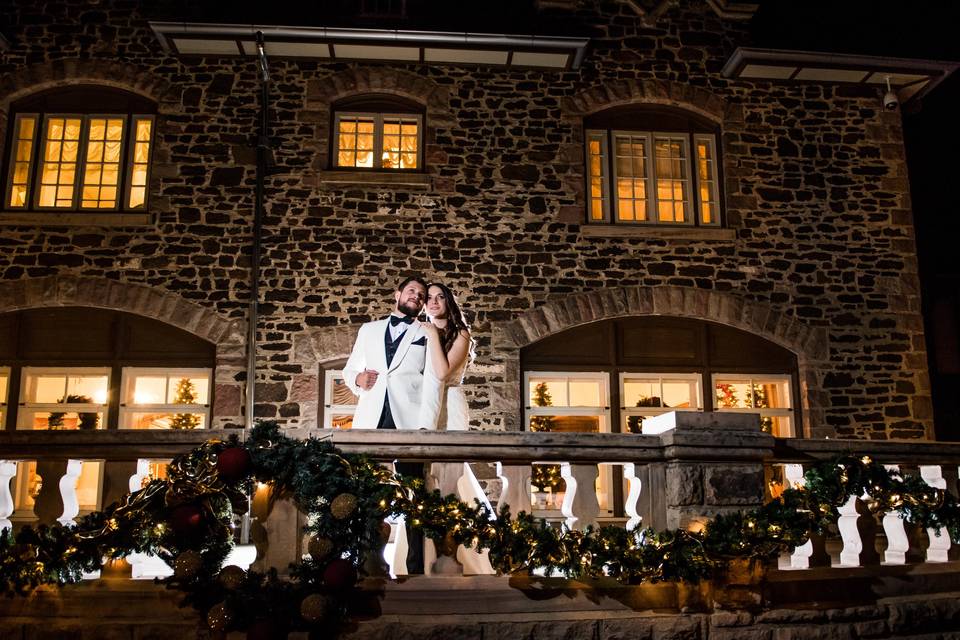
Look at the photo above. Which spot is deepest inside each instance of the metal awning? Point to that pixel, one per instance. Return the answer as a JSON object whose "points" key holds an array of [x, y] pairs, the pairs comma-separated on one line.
{"points": [[335, 44], [910, 78]]}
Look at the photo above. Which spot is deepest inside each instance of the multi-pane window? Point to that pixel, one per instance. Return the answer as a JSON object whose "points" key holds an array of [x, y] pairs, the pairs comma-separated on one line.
{"points": [[4, 390], [69, 151], [567, 402], [339, 401], [665, 176], [165, 399], [645, 395], [377, 141], [63, 399], [768, 396]]}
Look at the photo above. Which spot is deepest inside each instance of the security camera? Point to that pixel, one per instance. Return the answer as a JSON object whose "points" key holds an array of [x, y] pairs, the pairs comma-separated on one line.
{"points": [[890, 99]]}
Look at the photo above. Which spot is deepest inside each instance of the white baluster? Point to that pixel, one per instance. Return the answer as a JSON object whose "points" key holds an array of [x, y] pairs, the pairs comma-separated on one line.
{"points": [[632, 501], [515, 479], [445, 476], [857, 529], [800, 558], [470, 491], [68, 492], [939, 548], [143, 473], [580, 505], [811, 553], [8, 471], [897, 541]]}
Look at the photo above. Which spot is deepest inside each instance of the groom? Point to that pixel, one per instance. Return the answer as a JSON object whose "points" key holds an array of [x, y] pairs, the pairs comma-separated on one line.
{"points": [[385, 371]]}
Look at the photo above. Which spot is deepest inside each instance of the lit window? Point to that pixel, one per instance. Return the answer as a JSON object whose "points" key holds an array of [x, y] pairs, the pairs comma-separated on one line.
{"points": [[27, 485], [165, 399], [63, 399], [651, 166], [646, 395], [377, 141], [148, 470], [339, 401], [567, 402], [63, 157], [769, 396], [4, 390]]}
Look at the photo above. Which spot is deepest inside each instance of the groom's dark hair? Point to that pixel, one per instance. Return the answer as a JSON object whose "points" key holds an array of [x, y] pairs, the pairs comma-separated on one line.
{"points": [[403, 285]]}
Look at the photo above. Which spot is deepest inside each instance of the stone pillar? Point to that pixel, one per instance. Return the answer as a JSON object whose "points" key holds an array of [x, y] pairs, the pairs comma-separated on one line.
{"points": [[714, 464]]}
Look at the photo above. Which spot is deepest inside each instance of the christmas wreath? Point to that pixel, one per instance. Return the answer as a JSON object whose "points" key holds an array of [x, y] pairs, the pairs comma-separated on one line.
{"points": [[186, 519]]}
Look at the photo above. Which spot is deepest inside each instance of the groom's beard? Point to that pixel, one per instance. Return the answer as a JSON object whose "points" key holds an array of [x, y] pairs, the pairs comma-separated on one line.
{"points": [[408, 309]]}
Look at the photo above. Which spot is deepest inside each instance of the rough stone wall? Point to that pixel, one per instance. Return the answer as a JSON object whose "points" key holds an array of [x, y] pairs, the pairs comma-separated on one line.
{"points": [[815, 192]]}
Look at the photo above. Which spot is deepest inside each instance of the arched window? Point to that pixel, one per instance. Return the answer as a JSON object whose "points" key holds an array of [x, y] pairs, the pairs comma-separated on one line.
{"points": [[379, 132], [613, 375], [83, 368], [652, 165], [80, 148]]}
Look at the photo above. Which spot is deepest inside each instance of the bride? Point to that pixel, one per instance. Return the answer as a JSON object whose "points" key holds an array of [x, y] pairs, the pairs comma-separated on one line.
{"points": [[450, 350]]}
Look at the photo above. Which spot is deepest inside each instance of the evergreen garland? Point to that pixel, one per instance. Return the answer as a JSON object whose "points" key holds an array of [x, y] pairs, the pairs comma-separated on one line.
{"points": [[186, 520]]}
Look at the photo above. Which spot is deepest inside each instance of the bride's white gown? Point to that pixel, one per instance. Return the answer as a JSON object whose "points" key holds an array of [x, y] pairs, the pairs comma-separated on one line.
{"points": [[455, 416]]}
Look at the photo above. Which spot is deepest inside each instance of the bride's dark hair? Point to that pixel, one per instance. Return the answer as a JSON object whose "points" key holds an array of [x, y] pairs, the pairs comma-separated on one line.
{"points": [[455, 320]]}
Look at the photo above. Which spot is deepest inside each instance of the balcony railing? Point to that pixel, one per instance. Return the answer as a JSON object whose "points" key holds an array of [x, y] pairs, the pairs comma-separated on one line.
{"points": [[698, 466]]}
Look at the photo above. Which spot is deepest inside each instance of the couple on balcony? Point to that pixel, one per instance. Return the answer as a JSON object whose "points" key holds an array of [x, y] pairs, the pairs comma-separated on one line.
{"points": [[407, 374]]}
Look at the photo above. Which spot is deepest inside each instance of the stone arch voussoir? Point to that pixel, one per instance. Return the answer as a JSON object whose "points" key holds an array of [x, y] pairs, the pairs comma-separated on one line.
{"points": [[61, 73], [360, 79], [663, 92], [228, 335], [809, 343]]}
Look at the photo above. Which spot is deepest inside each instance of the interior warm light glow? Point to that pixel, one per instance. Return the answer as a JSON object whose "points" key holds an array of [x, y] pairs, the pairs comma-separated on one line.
{"points": [[100, 396], [141, 397]]}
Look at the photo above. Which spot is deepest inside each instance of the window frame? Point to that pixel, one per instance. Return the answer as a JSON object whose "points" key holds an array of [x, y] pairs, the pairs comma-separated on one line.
{"points": [[28, 408], [560, 410], [35, 163], [5, 375], [753, 379], [129, 408], [694, 378], [329, 409], [676, 125], [378, 118]]}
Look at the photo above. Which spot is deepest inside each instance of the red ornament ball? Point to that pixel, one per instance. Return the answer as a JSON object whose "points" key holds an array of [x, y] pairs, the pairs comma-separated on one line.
{"points": [[234, 464], [186, 519], [340, 574]]}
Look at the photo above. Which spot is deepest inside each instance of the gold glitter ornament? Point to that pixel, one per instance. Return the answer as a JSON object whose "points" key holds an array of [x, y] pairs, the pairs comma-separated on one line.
{"points": [[343, 506], [231, 577], [187, 564], [315, 607], [219, 617], [319, 548]]}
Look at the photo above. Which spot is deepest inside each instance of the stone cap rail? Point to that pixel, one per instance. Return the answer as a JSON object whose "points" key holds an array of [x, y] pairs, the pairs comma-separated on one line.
{"points": [[684, 440], [796, 450]]}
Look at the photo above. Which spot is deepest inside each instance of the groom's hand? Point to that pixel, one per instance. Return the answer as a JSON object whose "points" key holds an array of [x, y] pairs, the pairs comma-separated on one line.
{"points": [[366, 379]]}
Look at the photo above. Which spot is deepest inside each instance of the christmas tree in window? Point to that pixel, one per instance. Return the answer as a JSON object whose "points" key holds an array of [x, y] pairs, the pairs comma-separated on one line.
{"points": [[186, 393]]}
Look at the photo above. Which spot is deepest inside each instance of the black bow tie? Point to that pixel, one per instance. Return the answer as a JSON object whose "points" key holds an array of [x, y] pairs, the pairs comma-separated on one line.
{"points": [[395, 320]]}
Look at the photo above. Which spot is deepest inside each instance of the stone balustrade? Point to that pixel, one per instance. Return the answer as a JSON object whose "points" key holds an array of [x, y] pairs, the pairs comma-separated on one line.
{"points": [[687, 469]]}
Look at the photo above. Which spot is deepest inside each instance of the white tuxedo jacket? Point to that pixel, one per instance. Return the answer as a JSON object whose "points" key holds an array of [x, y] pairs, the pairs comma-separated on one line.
{"points": [[414, 398]]}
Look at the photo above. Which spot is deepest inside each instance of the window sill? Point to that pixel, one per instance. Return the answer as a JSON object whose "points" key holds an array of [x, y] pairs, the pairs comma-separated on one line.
{"points": [[75, 219], [376, 178], [650, 231]]}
